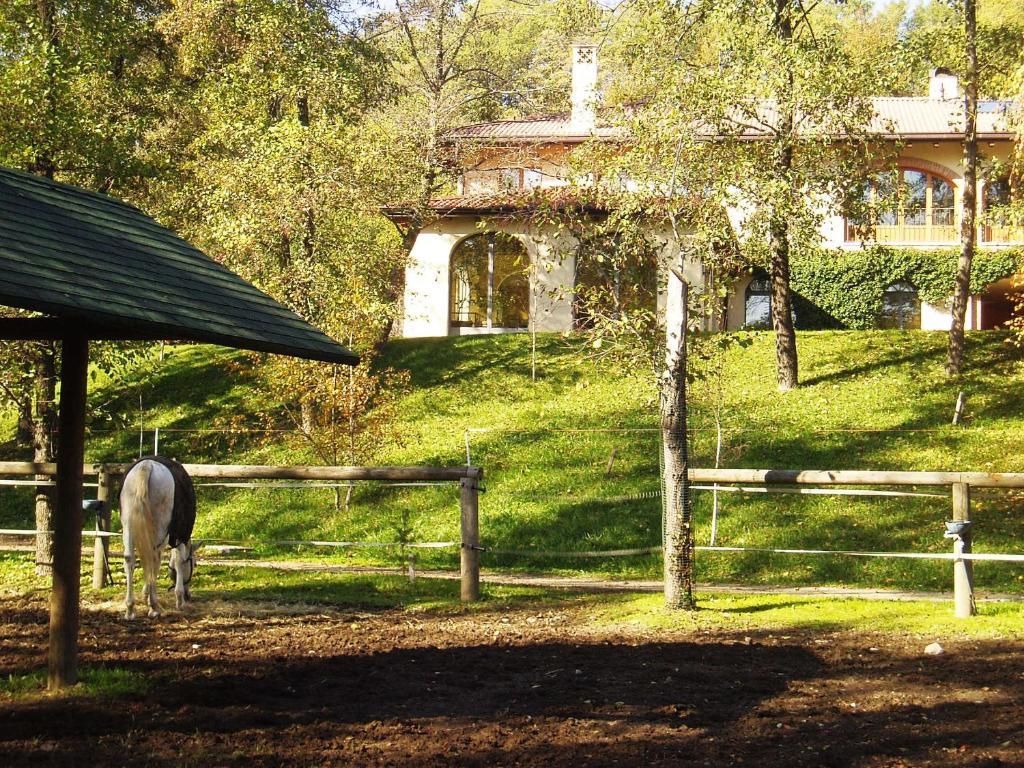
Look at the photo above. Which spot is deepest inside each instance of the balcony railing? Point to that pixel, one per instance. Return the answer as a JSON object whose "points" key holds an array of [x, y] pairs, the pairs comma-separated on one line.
{"points": [[1001, 233], [940, 227]]}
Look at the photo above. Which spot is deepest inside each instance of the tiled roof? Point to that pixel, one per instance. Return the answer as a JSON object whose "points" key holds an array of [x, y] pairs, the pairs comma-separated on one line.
{"points": [[554, 127], [895, 117], [94, 260], [483, 204], [919, 116]]}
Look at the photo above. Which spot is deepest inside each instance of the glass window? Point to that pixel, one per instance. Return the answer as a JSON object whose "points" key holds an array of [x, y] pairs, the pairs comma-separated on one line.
{"points": [[997, 193], [942, 202], [469, 283], [915, 205], [886, 187], [757, 303], [508, 179], [901, 307], [532, 178], [905, 205], [511, 284], [490, 283]]}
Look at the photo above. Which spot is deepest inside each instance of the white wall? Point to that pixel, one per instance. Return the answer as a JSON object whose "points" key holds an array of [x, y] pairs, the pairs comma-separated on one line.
{"points": [[426, 282], [426, 277], [940, 317]]}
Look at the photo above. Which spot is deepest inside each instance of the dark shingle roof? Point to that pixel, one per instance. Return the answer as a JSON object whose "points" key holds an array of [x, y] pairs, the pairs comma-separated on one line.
{"points": [[90, 258]]}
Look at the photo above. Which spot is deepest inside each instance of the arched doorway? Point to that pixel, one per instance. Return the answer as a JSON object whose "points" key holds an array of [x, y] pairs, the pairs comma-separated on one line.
{"points": [[489, 279]]}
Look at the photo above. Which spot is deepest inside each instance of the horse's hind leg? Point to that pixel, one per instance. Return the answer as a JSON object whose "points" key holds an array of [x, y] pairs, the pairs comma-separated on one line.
{"points": [[129, 574], [151, 575]]}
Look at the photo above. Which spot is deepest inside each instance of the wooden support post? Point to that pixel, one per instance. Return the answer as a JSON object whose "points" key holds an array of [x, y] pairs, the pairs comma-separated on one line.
{"points": [[101, 547], [67, 514], [470, 553], [963, 570]]}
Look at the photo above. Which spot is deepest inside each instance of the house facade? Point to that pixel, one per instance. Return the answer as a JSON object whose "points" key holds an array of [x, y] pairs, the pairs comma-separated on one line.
{"points": [[481, 266]]}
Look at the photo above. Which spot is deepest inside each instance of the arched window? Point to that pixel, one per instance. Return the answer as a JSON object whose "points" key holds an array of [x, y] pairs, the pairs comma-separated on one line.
{"points": [[908, 205], [490, 283], [901, 307], [757, 303]]}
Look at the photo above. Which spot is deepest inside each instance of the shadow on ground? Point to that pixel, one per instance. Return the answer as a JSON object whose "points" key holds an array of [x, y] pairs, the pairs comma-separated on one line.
{"points": [[526, 688]]}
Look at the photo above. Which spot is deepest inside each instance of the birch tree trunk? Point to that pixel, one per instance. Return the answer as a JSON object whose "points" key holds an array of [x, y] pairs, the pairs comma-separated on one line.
{"points": [[782, 160], [968, 222], [678, 552]]}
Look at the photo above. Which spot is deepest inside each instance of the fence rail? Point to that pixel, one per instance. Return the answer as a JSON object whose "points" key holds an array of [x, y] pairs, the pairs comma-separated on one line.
{"points": [[958, 529], [468, 478]]}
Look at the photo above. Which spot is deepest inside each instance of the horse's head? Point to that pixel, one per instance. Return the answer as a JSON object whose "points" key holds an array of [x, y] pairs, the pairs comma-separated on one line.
{"points": [[186, 565]]}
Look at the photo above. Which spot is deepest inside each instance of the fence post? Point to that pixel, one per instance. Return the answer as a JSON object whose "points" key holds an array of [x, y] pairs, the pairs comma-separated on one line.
{"points": [[101, 546], [963, 570], [469, 487]]}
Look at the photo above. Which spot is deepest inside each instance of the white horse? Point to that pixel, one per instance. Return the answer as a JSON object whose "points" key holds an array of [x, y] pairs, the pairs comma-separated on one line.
{"points": [[157, 509]]}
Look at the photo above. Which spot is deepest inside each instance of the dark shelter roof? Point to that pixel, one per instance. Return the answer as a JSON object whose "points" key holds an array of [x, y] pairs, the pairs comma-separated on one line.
{"points": [[97, 261]]}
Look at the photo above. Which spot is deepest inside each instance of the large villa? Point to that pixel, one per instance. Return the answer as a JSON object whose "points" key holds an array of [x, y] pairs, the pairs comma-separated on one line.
{"points": [[478, 266]]}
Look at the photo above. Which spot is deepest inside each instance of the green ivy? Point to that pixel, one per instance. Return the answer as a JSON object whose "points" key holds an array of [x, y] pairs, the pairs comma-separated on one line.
{"points": [[843, 288]]}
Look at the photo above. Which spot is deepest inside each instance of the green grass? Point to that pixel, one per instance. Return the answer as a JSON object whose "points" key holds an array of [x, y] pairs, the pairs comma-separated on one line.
{"points": [[762, 613], [364, 591], [229, 591], [869, 400], [93, 682]]}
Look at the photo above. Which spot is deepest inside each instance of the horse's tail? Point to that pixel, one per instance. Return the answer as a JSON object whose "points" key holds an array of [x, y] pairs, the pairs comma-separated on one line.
{"points": [[138, 517]]}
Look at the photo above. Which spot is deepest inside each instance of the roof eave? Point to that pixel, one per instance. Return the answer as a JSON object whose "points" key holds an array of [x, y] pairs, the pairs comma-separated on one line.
{"points": [[97, 327]]}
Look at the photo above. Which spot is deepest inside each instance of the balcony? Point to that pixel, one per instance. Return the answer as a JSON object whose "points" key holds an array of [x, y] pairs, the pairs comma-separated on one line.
{"points": [[938, 228], [1000, 233]]}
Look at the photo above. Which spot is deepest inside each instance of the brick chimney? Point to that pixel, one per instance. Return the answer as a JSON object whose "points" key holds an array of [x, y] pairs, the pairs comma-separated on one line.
{"points": [[943, 84], [584, 87]]}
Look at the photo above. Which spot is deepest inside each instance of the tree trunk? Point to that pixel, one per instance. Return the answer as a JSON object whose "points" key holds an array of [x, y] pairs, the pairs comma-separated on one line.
{"points": [[968, 222], [782, 162], [43, 425], [307, 416], [782, 307], [678, 550]]}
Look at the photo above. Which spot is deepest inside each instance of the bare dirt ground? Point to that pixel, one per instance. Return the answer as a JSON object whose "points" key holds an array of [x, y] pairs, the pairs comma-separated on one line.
{"points": [[250, 688]]}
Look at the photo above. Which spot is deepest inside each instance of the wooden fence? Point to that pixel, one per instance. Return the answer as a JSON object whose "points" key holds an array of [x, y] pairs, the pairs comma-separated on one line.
{"points": [[958, 528], [468, 477]]}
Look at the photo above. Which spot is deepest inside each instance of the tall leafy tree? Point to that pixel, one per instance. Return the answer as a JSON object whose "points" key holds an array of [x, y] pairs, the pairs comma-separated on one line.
{"points": [[271, 145], [730, 114], [454, 62], [79, 85]]}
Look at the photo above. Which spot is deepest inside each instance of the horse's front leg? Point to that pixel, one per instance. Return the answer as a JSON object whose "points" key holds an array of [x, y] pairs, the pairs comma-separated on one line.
{"points": [[180, 590]]}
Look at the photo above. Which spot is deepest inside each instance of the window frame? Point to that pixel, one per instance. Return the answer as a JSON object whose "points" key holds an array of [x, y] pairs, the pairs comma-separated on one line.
{"points": [[492, 299], [904, 288], [930, 231]]}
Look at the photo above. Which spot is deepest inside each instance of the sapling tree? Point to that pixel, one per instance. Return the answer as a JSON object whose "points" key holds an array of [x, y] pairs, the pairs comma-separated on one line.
{"points": [[79, 90]]}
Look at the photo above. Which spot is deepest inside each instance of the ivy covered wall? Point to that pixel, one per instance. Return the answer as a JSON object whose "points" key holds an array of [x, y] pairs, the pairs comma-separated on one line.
{"points": [[843, 288]]}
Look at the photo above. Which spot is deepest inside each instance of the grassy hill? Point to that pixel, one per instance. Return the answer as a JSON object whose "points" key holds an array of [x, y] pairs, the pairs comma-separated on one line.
{"points": [[571, 459]]}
